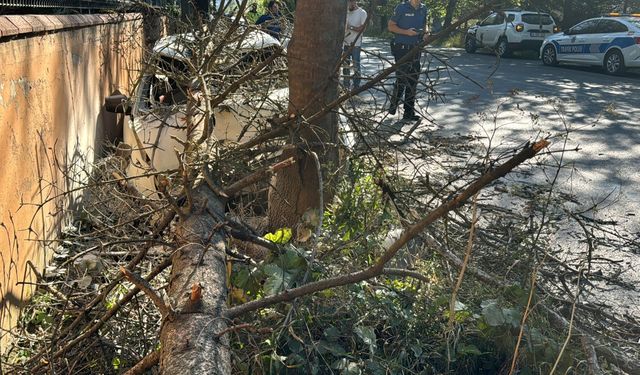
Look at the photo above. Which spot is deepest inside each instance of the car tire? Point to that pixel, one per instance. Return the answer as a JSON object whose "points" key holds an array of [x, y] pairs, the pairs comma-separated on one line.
{"points": [[549, 56], [614, 62], [502, 48], [470, 44]]}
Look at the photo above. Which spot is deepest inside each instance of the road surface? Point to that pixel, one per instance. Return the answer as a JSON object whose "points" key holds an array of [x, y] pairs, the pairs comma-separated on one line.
{"points": [[510, 101]]}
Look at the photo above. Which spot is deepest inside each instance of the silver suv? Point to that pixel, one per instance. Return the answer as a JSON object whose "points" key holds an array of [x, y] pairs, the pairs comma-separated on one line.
{"points": [[510, 30]]}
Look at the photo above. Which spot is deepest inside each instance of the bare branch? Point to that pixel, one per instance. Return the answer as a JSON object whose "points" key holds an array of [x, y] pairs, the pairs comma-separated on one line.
{"points": [[354, 277], [405, 273], [144, 285], [257, 176], [145, 363]]}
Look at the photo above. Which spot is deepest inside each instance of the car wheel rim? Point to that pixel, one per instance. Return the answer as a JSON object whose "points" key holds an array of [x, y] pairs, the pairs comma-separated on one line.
{"points": [[501, 48], [469, 44], [549, 55], [613, 63]]}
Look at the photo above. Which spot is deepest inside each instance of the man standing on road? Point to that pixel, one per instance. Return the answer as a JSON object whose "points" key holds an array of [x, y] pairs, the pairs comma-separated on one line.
{"points": [[408, 23], [356, 19], [270, 21]]}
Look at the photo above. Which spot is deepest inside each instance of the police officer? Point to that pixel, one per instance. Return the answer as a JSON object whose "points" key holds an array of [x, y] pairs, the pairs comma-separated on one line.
{"points": [[408, 23]]}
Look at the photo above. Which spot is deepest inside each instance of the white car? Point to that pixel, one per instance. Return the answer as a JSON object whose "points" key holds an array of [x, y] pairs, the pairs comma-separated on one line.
{"points": [[510, 30], [612, 42], [158, 111]]}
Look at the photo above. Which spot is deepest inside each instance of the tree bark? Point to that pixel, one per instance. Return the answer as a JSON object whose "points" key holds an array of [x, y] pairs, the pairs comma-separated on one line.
{"points": [[313, 58], [197, 292], [451, 8]]}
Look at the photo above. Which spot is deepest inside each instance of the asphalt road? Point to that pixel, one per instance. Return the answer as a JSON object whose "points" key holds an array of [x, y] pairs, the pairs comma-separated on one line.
{"points": [[599, 111], [510, 101]]}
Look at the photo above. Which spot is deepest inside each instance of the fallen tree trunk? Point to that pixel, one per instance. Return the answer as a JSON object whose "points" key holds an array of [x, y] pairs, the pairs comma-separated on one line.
{"points": [[197, 292]]}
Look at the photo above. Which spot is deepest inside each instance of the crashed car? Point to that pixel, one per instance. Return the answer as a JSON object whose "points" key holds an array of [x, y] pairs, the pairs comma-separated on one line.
{"points": [[168, 109], [510, 30]]}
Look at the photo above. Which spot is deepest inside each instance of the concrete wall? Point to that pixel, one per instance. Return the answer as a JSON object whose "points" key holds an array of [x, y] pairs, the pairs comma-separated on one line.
{"points": [[54, 74]]}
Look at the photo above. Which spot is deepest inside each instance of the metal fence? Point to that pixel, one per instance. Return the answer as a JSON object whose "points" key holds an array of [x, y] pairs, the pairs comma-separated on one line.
{"points": [[73, 4]]}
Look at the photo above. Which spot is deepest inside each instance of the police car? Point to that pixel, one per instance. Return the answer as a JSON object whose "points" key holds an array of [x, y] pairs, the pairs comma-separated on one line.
{"points": [[612, 42]]}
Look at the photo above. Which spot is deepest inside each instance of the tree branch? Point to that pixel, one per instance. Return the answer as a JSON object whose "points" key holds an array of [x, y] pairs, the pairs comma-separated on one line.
{"points": [[354, 277], [144, 285], [145, 363], [161, 225], [405, 273], [260, 175], [620, 360]]}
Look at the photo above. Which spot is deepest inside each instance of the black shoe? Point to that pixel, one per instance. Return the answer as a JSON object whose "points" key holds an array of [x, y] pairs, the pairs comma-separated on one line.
{"points": [[392, 110], [411, 117]]}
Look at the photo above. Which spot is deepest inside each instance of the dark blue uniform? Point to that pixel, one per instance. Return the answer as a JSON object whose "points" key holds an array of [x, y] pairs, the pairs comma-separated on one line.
{"points": [[407, 17], [272, 24]]}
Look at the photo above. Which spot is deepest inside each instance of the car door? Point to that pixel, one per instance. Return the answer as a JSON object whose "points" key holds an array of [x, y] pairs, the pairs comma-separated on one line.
{"points": [[609, 34], [495, 30], [575, 45], [597, 40], [484, 30]]}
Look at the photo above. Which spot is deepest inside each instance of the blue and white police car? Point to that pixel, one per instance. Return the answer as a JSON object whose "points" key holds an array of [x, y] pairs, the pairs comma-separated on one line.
{"points": [[612, 42]]}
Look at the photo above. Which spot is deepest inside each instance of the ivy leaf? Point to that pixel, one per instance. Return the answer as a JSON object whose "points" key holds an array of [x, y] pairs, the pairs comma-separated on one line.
{"points": [[493, 315], [512, 316], [374, 368], [291, 259], [331, 347], [332, 333], [241, 277], [277, 279], [417, 350], [368, 336]]}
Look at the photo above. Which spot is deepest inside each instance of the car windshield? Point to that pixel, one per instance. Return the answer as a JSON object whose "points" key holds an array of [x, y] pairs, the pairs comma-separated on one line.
{"points": [[537, 19], [159, 92]]}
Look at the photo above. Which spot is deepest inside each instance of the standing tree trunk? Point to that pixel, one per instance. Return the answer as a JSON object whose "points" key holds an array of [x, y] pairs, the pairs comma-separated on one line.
{"points": [[448, 17], [313, 58]]}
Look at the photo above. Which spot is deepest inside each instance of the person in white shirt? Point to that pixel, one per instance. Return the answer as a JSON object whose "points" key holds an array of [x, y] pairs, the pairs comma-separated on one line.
{"points": [[356, 20]]}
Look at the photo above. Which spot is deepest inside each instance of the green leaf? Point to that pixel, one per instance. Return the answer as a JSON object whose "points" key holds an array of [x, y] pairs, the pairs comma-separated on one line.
{"points": [[374, 368], [417, 350], [469, 350], [291, 259], [277, 279], [368, 336], [493, 315], [332, 333], [512, 316], [241, 277], [115, 362], [295, 360], [281, 236], [336, 349], [294, 346]]}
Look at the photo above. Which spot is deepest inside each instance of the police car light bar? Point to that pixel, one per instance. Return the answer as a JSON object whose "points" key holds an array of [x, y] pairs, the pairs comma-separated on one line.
{"points": [[616, 14]]}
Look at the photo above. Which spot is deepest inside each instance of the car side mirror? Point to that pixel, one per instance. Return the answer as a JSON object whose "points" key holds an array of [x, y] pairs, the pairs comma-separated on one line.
{"points": [[117, 104]]}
